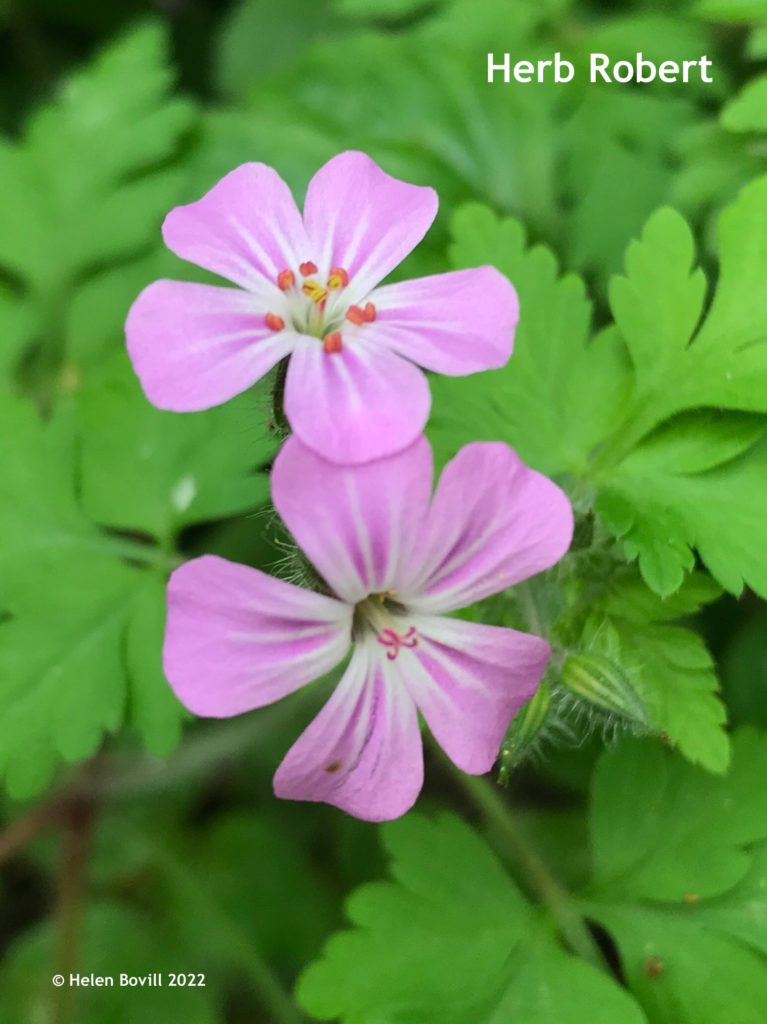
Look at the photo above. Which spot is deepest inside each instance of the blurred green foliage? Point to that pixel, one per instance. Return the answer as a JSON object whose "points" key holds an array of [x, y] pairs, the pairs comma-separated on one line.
{"points": [[632, 222]]}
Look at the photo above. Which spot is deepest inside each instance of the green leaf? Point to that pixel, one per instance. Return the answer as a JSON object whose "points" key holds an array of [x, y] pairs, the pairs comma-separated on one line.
{"points": [[63, 681], [664, 500], [620, 414], [621, 164], [680, 885], [89, 181], [152, 708], [452, 939], [668, 665], [757, 41], [732, 10], [694, 827], [281, 33], [656, 306], [80, 646], [560, 394], [156, 472], [748, 111], [659, 302]]}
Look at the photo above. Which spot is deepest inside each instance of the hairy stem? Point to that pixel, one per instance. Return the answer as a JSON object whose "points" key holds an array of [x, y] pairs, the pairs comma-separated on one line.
{"points": [[279, 419], [525, 859]]}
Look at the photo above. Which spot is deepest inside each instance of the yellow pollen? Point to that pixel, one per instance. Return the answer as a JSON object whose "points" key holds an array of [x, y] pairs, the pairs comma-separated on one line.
{"points": [[315, 291]]}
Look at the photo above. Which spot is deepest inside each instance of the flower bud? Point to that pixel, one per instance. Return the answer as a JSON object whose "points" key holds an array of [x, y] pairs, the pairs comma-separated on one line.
{"points": [[599, 681], [525, 731]]}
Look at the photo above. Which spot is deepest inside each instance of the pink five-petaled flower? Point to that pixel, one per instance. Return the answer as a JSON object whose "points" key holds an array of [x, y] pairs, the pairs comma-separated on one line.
{"points": [[396, 560], [307, 290]]}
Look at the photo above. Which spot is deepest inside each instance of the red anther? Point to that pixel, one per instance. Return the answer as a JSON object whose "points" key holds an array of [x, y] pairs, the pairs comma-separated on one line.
{"points": [[308, 268], [395, 641], [369, 312], [285, 279], [355, 315], [332, 342], [339, 278], [274, 322]]}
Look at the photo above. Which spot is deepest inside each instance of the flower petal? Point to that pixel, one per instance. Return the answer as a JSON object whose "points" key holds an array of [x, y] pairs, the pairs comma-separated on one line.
{"points": [[454, 323], [197, 345], [469, 681], [357, 404], [237, 639], [360, 218], [493, 522], [358, 525], [247, 228], [363, 752]]}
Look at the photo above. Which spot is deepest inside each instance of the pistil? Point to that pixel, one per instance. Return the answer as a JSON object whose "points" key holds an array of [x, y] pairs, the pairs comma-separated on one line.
{"points": [[395, 641], [384, 616]]}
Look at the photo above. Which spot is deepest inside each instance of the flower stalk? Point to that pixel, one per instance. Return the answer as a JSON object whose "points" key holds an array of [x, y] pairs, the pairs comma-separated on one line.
{"points": [[522, 856]]}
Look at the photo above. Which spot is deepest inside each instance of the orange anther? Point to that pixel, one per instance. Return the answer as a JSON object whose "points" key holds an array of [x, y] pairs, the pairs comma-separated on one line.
{"points": [[332, 342], [369, 312], [286, 279], [338, 278], [274, 322], [355, 315], [308, 268], [315, 291]]}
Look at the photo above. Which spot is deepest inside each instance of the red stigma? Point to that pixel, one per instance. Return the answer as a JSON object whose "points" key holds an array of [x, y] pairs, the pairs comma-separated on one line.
{"points": [[308, 268], [396, 641], [285, 279], [274, 322], [332, 343], [369, 312]]}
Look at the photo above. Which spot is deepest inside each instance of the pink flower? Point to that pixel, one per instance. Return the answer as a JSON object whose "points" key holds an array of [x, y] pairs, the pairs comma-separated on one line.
{"points": [[307, 290], [396, 559]]}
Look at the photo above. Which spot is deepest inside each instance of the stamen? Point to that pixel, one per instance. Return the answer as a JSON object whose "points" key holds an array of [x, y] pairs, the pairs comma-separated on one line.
{"points": [[285, 279], [308, 268], [315, 291], [339, 278], [274, 322], [355, 315], [369, 312], [332, 343], [396, 641]]}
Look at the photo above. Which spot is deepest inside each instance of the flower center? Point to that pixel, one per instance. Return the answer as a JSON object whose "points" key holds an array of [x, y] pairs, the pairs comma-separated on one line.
{"points": [[384, 616], [317, 307]]}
